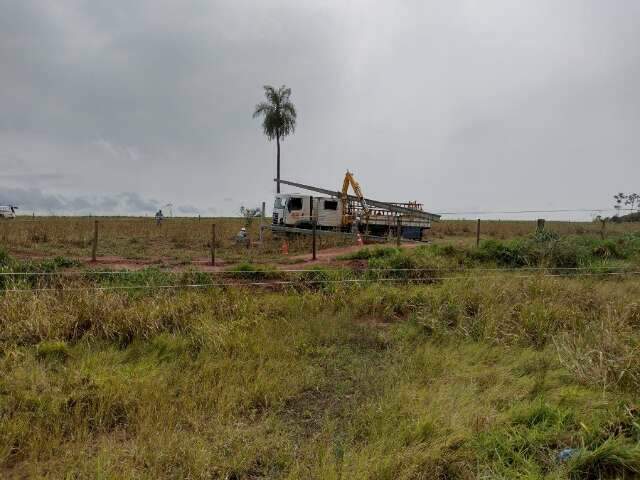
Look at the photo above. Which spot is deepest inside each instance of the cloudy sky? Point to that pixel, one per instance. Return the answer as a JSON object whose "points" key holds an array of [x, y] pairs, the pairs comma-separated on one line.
{"points": [[124, 106]]}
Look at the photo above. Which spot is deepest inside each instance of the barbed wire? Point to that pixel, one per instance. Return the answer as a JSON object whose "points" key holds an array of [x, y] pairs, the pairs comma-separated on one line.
{"points": [[308, 282], [308, 270]]}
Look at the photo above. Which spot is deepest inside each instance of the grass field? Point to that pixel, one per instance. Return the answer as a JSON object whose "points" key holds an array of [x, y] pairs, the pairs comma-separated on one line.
{"points": [[184, 240], [177, 240], [438, 362]]}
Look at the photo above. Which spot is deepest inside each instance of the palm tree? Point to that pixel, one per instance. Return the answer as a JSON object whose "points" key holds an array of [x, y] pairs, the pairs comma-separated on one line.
{"points": [[279, 117]]}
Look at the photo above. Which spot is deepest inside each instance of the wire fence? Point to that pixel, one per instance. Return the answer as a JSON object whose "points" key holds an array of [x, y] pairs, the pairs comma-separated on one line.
{"points": [[324, 281], [64, 273]]}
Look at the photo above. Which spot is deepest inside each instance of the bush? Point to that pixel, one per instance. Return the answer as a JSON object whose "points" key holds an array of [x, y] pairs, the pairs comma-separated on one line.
{"points": [[515, 253]]}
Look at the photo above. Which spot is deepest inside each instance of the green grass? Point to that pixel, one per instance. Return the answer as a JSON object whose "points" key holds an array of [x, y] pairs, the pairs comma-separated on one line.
{"points": [[471, 378], [545, 249]]}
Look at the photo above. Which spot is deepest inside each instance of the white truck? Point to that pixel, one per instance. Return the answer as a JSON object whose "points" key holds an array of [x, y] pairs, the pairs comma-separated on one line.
{"points": [[299, 211], [340, 211], [8, 211]]}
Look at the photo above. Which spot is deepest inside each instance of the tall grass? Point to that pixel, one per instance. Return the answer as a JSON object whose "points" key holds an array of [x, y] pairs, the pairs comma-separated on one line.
{"points": [[545, 250], [469, 378]]}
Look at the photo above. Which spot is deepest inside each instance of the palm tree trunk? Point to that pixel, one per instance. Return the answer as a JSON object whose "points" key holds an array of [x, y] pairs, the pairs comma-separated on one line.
{"points": [[278, 164]]}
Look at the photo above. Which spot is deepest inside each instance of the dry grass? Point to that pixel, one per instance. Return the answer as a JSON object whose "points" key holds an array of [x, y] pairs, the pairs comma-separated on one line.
{"points": [[464, 231], [181, 240]]}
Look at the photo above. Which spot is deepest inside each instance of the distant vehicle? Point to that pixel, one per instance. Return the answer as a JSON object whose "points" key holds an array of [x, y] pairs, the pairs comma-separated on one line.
{"points": [[8, 211]]}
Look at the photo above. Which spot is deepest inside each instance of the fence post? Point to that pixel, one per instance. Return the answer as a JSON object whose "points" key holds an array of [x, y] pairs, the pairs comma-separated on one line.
{"points": [[399, 232], [604, 226], [478, 233], [313, 239], [94, 248], [213, 244], [262, 220]]}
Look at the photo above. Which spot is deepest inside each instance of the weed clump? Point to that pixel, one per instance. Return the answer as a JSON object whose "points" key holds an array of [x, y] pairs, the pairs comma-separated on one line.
{"points": [[52, 350], [616, 457], [250, 271]]}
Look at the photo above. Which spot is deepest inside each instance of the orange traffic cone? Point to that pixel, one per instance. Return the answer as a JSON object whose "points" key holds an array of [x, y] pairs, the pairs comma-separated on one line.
{"points": [[285, 248], [359, 240]]}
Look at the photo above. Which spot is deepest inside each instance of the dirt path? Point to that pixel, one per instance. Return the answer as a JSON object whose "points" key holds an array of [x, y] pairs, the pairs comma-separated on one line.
{"points": [[326, 257]]}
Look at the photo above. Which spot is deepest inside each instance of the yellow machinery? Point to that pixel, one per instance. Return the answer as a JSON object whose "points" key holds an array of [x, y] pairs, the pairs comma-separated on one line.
{"points": [[349, 180]]}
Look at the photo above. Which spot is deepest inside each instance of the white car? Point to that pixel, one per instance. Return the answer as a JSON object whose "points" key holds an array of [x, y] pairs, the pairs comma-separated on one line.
{"points": [[8, 211]]}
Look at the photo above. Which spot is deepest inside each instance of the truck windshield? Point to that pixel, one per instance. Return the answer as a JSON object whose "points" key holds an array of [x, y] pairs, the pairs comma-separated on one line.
{"points": [[294, 203], [278, 203]]}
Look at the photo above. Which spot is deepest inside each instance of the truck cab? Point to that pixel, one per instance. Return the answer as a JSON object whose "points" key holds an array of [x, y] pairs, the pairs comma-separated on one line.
{"points": [[292, 210], [297, 210], [8, 211]]}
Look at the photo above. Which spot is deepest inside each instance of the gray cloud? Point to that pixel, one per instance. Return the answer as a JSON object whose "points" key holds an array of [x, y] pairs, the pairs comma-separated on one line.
{"points": [[462, 105], [188, 210], [32, 199]]}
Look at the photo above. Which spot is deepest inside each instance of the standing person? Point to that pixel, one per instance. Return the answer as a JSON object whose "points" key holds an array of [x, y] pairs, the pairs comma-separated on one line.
{"points": [[159, 217]]}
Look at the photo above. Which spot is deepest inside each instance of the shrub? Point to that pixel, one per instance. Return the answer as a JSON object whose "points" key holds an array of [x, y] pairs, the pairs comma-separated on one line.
{"points": [[507, 254]]}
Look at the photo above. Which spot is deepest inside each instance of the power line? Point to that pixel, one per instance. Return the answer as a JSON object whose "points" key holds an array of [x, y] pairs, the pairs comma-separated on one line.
{"points": [[479, 212], [562, 210]]}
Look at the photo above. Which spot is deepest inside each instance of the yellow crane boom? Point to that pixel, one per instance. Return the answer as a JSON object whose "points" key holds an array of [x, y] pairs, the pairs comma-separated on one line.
{"points": [[350, 181]]}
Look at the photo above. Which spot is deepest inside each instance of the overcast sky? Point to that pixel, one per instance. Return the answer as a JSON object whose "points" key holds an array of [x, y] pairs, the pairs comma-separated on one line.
{"points": [[126, 105]]}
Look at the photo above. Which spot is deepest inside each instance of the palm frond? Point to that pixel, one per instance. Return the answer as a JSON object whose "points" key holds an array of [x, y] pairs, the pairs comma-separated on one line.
{"points": [[262, 108], [278, 111]]}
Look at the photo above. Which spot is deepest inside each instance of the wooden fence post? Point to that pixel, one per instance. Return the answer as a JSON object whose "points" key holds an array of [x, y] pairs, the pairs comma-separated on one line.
{"points": [[478, 233], [540, 225], [213, 244], [262, 220], [313, 239], [399, 232], [603, 230], [94, 248]]}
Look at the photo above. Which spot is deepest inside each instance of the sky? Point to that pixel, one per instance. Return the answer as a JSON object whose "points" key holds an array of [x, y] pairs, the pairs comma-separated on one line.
{"points": [[122, 107]]}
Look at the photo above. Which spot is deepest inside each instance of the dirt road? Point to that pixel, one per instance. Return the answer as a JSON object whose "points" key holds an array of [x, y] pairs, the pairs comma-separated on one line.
{"points": [[326, 257]]}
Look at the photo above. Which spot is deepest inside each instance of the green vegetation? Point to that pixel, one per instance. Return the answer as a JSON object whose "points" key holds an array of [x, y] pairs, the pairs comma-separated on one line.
{"points": [[253, 272], [489, 374], [463, 378], [545, 249], [181, 241]]}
